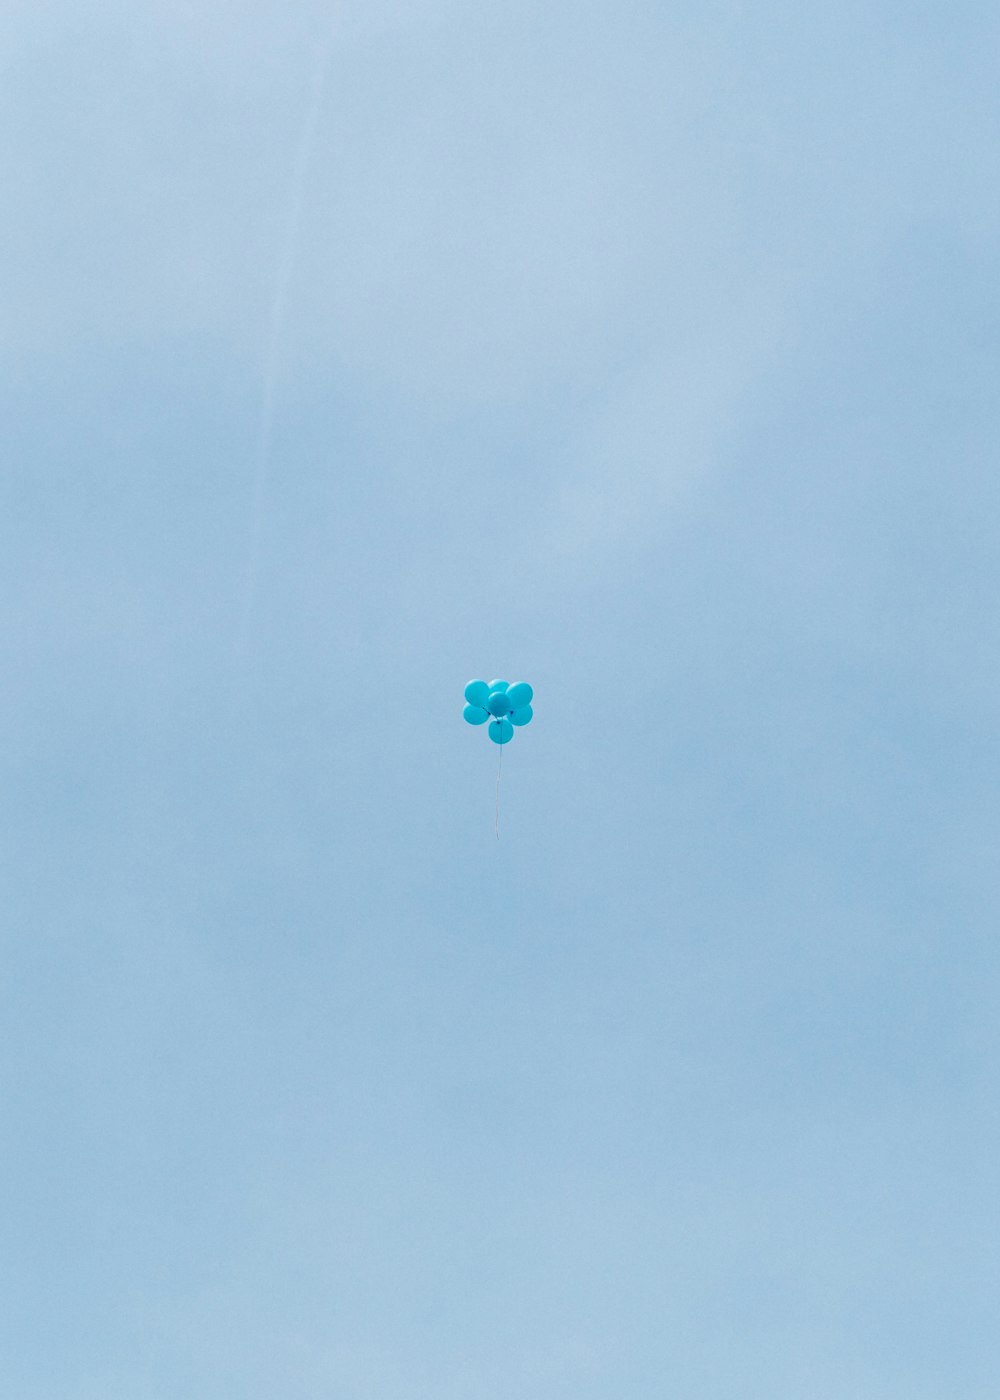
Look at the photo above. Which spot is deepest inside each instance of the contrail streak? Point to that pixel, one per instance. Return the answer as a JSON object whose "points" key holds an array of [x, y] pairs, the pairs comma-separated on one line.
{"points": [[272, 339]]}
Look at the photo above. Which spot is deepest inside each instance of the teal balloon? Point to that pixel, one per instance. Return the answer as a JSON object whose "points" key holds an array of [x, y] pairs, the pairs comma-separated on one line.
{"points": [[501, 730], [474, 714], [522, 715], [498, 704], [499, 685], [477, 693], [519, 695]]}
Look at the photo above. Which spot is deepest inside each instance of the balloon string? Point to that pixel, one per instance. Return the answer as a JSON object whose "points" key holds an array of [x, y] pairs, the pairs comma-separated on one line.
{"points": [[499, 773]]}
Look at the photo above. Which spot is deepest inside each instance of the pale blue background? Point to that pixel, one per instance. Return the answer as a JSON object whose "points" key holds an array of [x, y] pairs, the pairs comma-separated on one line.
{"points": [[648, 352]]}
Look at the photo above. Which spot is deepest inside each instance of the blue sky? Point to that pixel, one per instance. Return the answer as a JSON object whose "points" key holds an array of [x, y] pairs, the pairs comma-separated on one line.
{"points": [[645, 352]]}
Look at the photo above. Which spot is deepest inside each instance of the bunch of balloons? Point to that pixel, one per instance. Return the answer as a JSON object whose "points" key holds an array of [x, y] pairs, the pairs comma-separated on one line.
{"points": [[503, 705]]}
